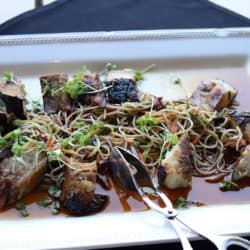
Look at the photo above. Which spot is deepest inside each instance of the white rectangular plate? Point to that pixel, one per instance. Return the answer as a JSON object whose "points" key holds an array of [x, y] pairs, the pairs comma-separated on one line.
{"points": [[188, 53]]}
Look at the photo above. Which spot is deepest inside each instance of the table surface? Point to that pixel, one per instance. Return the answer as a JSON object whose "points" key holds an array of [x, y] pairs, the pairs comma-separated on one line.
{"points": [[7, 11]]}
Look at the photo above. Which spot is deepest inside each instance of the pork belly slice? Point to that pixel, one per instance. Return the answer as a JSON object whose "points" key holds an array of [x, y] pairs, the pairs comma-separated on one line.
{"points": [[78, 194], [242, 170], [12, 95], [55, 102], [175, 170], [95, 99], [213, 95], [18, 177]]}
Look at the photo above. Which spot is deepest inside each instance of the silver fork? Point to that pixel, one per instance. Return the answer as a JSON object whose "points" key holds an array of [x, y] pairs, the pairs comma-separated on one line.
{"points": [[131, 173]]}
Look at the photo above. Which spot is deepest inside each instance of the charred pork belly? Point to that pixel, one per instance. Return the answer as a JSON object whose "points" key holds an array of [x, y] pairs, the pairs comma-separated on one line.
{"points": [[242, 170], [53, 100], [94, 85], [175, 170], [12, 95], [20, 175], [213, 95], [122, 90], [78, 195], [122, 85]]}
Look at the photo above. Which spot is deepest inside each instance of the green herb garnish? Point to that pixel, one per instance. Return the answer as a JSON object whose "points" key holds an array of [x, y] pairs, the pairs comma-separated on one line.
{"points": [[36, 105], [76, 86], [139, 76], [172, 139], [79, 124], [54, 155], [181, 203], [228, 185], [20, 206], [8, 76], [147, 121], [16, 149], [45, 203], [110, 66]]}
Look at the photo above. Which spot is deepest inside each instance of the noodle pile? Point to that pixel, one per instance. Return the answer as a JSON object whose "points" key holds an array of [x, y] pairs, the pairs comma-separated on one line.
{"points": [[89, 133]]}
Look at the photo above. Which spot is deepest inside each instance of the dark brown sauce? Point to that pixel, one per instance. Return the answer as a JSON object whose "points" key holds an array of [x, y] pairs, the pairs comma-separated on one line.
{"points": [[201, 191]]}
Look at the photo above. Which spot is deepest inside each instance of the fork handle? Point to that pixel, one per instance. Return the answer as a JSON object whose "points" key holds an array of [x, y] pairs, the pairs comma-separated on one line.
{"points": [[183, 238]]}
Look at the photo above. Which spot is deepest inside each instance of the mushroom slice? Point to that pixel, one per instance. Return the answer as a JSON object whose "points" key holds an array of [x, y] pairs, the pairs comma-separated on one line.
{"points": [[78, 195], [213, 95], [20, 175], [242, 170], [175, 170]]}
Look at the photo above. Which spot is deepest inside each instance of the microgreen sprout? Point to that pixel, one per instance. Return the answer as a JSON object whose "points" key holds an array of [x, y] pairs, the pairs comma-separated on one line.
{"points": [[8, 76], [228, 185], [21, 207]]}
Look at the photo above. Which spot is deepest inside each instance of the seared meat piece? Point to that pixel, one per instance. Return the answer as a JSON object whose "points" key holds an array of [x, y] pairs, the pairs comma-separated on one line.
{"points": [[6, 121], [19, 176], [122, 90], [120, 74], [54, 102], [78, 195], [242, 170], [12, 95], [98, 98], [213, 95], [242, 119], [175, 170]]}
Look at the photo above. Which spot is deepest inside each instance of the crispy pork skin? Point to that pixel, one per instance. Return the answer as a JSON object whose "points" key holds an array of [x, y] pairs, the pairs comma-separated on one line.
{"points": [[18, 177], [242, 170], [55, 101], [213, 95], [120, 74], [78, 195], [12, 95], [175, 170]]}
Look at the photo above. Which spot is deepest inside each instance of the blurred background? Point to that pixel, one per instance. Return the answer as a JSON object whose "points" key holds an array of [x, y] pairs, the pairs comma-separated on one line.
{"points": [[12, 8]]}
